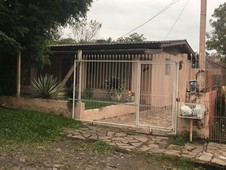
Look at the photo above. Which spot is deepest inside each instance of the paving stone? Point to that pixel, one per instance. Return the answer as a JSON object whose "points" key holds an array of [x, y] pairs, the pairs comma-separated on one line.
{"points": [[136, 144], [188, 153], [118, 139], [134, 141], [129, 137], [127, 147], [153, 146], [121, 134], [93, 136], [175, 147], [142, 138], [86, 135], [214, 145], [77, 137], [205, 157], [110, 133], [189, 147], [104, 138], [198, 149], [155, 150], [144, 148], [218, 161], [172, 152]]}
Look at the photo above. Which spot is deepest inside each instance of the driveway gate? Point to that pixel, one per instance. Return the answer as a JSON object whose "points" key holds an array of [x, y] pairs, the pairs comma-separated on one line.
{"points": [[127, 89]]}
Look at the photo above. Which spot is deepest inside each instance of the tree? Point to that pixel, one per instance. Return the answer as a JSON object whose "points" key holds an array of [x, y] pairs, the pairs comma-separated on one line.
{"points": [[216, 39], [102, 41], [135, 37], [30, 24], [27, 26], [84, 31]]}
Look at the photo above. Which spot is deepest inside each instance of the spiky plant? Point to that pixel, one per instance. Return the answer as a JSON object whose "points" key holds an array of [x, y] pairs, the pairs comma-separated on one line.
{"points": [[114, 85], [45, 86]]}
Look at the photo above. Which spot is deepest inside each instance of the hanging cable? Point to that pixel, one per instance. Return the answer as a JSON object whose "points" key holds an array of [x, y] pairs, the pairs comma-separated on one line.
{"points": [[159, 13], [177, 19]]}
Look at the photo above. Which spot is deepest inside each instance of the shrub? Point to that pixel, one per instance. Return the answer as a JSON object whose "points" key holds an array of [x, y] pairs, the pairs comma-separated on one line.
{"points": [[114, 85], [44, 87]]}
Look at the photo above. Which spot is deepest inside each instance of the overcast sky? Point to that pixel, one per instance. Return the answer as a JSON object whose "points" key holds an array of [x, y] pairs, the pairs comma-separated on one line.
{"points": [[118, 17]]}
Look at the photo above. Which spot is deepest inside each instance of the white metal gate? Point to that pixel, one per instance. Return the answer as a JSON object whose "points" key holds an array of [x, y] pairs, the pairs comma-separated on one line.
{"points": [[127, 89], [158, 90]]}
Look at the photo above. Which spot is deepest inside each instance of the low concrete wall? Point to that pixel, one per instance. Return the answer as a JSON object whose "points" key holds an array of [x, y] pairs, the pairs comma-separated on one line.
{"points": [[108, 112], [43, 105]]}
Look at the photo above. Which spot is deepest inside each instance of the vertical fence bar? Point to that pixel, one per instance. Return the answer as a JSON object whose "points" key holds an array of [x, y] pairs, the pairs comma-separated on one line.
{"points": [[80, 75], [138, 93]]}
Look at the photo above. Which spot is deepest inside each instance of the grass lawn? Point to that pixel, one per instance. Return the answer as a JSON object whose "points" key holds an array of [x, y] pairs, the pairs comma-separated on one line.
{"points": [[30, 126], [92, 104]]}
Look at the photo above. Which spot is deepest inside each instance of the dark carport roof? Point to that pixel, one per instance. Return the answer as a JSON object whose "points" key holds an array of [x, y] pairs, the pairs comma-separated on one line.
{"points": [[182, 45]]}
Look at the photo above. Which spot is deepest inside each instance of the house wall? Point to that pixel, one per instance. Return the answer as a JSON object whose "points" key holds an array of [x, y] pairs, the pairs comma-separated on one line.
{"points": [[159, 91]]}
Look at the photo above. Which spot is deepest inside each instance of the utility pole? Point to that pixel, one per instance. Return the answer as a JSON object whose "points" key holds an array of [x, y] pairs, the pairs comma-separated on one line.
{"points": [[202, 36]]}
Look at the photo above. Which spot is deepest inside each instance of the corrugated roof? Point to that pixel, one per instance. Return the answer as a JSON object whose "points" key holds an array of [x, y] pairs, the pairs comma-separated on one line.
{"points": [[183, 44]]}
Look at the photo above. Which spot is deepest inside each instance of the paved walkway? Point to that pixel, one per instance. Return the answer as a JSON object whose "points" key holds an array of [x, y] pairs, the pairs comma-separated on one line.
{"points": [[205, 153]]}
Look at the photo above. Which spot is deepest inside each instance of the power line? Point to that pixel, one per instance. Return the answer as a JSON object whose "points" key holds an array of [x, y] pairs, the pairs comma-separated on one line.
{"points": [[177, 19], [160, 12]]}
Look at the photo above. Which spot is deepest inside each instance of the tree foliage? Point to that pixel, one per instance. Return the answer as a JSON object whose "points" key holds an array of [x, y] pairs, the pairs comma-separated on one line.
{"points": [[135, 37], [217, 38], [28, 25]]}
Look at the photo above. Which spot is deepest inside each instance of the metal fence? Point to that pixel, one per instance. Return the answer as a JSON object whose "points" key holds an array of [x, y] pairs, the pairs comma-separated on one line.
{"points": [[216, 83], [128, 89]]}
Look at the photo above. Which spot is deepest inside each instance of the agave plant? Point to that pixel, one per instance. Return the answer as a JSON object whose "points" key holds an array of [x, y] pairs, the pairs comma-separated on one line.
{"points": [[44, 87]]}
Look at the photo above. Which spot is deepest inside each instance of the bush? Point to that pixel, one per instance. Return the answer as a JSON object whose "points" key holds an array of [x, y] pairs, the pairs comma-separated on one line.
{"points": [[44, 87]]}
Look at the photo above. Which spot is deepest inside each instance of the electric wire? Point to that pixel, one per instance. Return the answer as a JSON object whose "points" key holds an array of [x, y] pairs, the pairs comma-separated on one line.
{"points": [[159, 13], [177, 19]]}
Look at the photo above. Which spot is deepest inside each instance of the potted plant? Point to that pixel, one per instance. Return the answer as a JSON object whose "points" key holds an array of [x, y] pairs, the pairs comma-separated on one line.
{"points": [[114, 86]]}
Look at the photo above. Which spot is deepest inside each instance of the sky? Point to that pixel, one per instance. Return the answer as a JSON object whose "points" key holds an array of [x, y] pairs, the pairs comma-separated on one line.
{"points": [[118, 17]]}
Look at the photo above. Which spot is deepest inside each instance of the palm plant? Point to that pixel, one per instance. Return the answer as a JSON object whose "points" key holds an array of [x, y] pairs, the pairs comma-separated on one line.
{"points": [[44, 87]]}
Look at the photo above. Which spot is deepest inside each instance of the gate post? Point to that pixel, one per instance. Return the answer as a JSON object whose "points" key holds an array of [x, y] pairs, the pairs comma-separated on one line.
{"points": [[175, 96], [138, 93]]}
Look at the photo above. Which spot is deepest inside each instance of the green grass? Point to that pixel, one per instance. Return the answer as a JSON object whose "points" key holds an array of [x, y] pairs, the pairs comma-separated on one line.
{"points": [[94, 146], [179, 162], [30, 126], [96, 104]]}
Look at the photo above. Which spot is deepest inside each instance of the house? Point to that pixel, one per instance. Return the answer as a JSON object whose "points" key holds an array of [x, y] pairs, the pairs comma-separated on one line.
{"points": [[117, 59], [153, 74]]}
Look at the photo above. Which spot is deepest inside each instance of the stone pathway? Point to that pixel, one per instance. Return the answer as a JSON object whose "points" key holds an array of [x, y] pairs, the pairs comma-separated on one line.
{"points": [[211, 153]]}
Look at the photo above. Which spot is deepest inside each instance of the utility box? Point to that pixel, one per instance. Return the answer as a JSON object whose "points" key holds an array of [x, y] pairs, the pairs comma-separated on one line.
{"points": [[193, 86]]}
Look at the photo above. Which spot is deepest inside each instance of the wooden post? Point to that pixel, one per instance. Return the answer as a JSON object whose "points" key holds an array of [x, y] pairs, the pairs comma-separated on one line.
{"points": [[68, 75], [18, 74], [191, 129]]}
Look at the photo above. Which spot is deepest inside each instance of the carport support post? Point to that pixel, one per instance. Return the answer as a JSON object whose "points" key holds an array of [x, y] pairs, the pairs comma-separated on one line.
{"points": [[79, 54], [138, 93], [18, 74]]}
